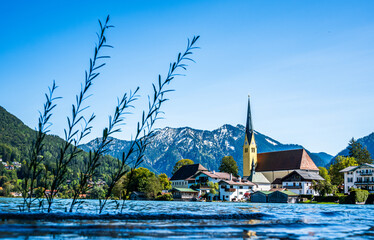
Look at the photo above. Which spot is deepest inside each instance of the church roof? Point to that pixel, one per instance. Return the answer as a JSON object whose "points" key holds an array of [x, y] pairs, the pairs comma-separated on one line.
{"points": [[259, 178], [187, 171], [285, 160]]}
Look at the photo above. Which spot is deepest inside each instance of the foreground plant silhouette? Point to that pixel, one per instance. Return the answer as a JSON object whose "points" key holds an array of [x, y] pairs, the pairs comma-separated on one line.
{"points": [[145, 128], [73, 136], [33, 164], [69, 150]]}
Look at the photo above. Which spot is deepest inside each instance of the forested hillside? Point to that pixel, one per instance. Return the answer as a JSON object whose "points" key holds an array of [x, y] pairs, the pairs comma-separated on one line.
{"points": [[15, 141]]}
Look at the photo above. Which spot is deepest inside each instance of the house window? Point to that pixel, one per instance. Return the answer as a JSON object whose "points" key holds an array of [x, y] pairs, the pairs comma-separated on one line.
{"points": [[246, 150], [253, 150]]}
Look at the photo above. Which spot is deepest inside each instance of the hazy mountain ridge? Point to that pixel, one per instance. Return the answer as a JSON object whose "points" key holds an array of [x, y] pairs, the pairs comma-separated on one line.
{"points": [[202, 146]]}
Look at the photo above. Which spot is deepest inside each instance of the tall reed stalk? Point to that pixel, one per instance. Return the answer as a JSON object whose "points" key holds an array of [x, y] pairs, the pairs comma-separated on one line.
{"points": [[33, 165], [73, 137], [145, 128], [89, 169]]}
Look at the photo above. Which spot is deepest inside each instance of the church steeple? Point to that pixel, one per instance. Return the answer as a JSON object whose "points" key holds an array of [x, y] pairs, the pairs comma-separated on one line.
{"points": [[249, 125], [249, 147]]}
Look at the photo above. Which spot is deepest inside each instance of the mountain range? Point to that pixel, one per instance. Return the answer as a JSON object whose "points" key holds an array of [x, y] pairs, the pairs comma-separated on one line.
{"points": [[169, 145], [206, 147]]}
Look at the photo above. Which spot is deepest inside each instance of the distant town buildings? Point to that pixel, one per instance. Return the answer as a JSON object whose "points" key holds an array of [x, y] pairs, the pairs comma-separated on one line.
{"points": [[273, 176], [12, 166], [271, 165], [301, 182]]}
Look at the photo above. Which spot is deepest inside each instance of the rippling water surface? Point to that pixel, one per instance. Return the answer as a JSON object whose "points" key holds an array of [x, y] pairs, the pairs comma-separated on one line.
{"points": [[189, 220]]}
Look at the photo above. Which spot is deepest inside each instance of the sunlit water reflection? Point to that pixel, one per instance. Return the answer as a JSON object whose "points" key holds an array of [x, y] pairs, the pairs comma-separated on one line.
{"points": [[190, 220]]}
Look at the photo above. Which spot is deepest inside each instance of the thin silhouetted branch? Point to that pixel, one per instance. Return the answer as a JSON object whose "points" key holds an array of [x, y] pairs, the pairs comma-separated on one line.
{"points": [[101, 148], [33, 164], [69, 149], [145, 130]]}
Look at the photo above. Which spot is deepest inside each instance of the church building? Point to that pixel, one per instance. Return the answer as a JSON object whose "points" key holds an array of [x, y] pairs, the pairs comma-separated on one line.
{"points": [[272, 165]]}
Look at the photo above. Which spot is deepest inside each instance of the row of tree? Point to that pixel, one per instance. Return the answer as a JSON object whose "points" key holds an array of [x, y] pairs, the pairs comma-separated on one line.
{"points": [[334, 179]]}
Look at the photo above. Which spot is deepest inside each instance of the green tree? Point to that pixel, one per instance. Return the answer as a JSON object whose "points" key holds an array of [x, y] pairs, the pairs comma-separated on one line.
{"points": [[142, 180], [152, 187], [164, 180], [324, 187], [228, 164], [97, 193], [118, 190], [340, 162], [3, 180], [7, 188], [360, 153], [324, 173], [181, 163], [213, 187]]}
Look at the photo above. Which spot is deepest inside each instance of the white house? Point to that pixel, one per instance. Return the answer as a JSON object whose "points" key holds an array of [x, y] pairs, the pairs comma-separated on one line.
{"points": [[359, 177], [234, 190], [183, 178], [301, 182]]}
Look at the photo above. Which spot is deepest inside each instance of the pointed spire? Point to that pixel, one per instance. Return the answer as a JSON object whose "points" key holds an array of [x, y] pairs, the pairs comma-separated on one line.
{"points": [[253, 167], [249, 126]]}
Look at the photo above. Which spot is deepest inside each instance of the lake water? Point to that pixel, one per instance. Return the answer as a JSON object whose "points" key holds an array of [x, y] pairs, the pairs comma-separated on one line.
{"points": [[189, 220]]}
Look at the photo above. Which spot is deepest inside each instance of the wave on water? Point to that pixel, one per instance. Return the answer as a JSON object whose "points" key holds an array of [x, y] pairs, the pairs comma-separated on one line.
{"points": [[131, 216]]}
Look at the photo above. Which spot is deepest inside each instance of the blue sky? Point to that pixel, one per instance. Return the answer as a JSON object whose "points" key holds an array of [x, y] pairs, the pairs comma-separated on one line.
{"points": [[308, 65]]}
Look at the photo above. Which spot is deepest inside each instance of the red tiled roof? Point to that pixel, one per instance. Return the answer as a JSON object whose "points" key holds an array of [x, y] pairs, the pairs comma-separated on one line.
{"points": [[285, 160], [218, 175], [247, 183]]}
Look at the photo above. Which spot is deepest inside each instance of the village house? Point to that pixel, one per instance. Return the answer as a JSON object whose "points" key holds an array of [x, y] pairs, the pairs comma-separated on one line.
{"points": [[282, 197], [301, 182], [230, 190], [9, 167], [277, 196], [17, 164], [260, 196], [183, 178], [277, 183], [359, 177], [230, 187], [184, 193]]}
